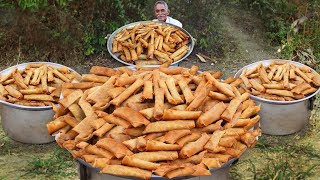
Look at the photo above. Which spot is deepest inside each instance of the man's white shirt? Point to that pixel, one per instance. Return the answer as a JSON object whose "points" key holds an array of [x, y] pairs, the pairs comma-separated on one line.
{"points": [[170, 20]]}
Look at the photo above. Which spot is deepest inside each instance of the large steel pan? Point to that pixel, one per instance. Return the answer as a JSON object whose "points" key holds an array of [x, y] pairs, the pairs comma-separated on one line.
{"points": [[26, 124], [282, 117], [116, 55]]}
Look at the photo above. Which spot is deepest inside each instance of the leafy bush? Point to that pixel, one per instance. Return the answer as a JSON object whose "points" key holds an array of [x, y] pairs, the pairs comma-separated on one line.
{"points": [[294, 26]]}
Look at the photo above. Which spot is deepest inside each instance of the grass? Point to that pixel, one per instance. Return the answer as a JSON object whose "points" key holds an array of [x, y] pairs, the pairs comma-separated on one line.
{"points": [[54, 166]]}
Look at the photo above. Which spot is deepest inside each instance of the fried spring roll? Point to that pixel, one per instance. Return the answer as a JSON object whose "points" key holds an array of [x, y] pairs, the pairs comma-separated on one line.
{"points": [[117, 148], [116, 120], [231, 109], [256, 85], [153, 145], [194, 147], [170, 114], [38, 97], [13, 92], [173, 90], [120, 170], [172, 136], [132, 116], [211, 115], [71, 98], [186, 91], [211, 162], [280, 92], [128, 92], [199, 98], [157, 156], [213, 142], [185, 171], [147, 90], [134, 162], [162, 126]]}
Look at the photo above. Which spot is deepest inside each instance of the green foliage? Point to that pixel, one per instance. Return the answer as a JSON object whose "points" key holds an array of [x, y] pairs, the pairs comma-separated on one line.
{"points": [[283, 21], [56, 165], [32, 4], [107, 17]]}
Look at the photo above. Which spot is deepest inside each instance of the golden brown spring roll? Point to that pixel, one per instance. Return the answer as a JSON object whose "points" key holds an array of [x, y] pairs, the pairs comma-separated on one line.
{"points": [[173, 90], [158, 109], [71, 98], [134, 162], [120, 170], [162, 126], [280, 92], [199, 98], [213, 127], [186, 91], [185, 171], [211, 115], [153, 145], [213, 142], [256, 85], [76, 111], [175, 114], [128, 92], [147, 90], [117, 148], [250, 111], [38, 97], [13, 92], [188, 138], [193, 148], [103, 130], [157, 156], [138, 131], [172, 136], [231, 109], [132, 116], [211, 162]]}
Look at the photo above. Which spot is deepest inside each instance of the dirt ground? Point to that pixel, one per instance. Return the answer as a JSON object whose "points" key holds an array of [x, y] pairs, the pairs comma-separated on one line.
{"points": [[246, 32]]}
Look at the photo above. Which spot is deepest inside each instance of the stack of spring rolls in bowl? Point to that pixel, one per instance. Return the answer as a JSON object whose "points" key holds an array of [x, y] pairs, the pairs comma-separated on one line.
{"points": [[27, 93], [168, 122]]}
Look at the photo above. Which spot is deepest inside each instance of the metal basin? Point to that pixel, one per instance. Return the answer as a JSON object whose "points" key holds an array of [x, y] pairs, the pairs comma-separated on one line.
{"points": [[87, 172], [282, 117], [26, 124], [116, 55]]}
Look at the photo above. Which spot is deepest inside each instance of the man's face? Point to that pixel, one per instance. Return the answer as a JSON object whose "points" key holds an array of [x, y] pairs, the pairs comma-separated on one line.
{"points": [[160, 12]]}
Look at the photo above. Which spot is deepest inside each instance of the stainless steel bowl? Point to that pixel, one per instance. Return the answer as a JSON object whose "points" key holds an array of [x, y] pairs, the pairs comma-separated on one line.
{"points": [[116, 55], [282, 117], [26, 124], [86, 171]]}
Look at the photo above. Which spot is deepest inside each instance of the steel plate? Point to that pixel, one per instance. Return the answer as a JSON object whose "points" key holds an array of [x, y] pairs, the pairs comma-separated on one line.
{"points": [[115, 55]]}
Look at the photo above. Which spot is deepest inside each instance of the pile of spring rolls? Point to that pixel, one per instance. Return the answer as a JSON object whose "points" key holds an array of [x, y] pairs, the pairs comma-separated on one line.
{"points": [[35, 85], [169, 122], [280, 81], [151, 43]]}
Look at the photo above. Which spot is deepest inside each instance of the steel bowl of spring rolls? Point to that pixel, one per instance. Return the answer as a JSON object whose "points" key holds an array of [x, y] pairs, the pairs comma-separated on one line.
{"points": [[285, 89], [28, 94], [149, 43], [156, 122]]}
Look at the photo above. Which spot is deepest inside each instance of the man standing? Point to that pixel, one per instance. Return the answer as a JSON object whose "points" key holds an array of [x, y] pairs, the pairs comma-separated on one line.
{"points": [[161, 11]]}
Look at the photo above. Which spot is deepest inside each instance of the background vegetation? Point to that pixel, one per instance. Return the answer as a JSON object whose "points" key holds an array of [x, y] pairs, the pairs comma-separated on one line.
{"points": [[73, 31]]}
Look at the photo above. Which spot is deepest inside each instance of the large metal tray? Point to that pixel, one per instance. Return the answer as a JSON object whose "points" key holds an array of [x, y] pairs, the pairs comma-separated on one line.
{"points": [[87, 170], [116, 55]]}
